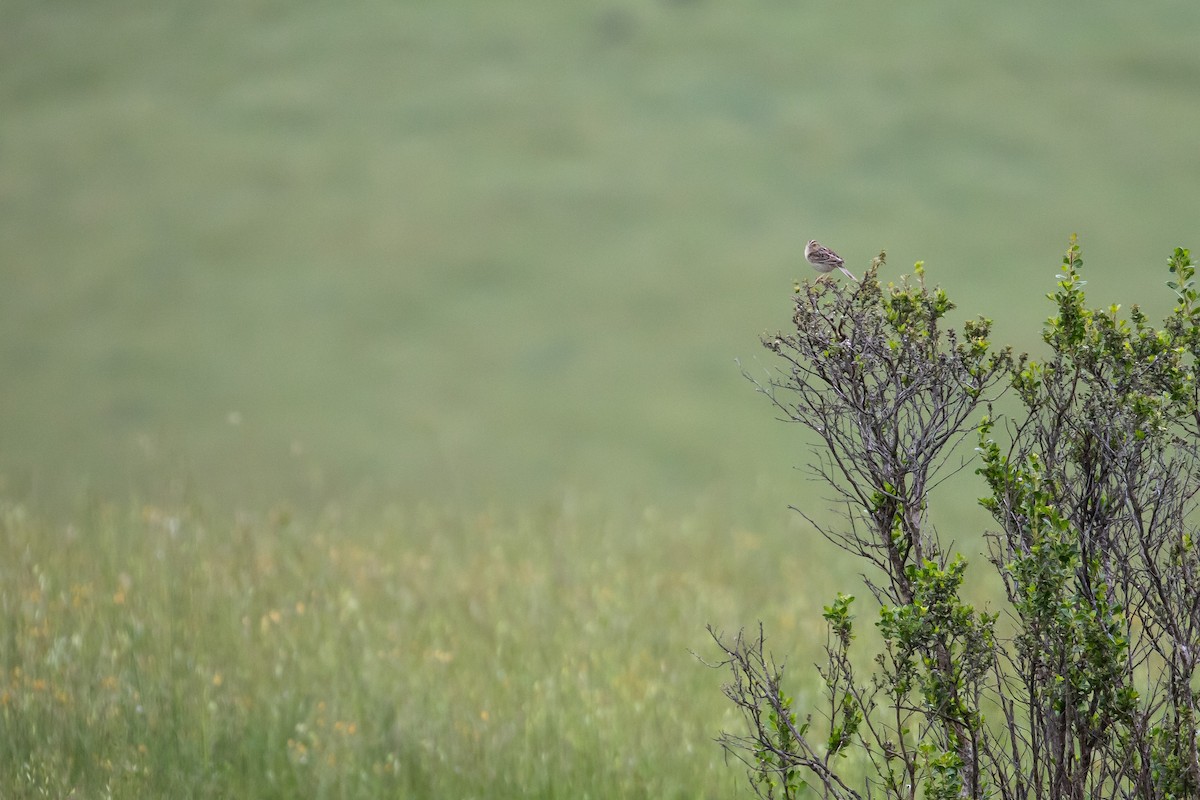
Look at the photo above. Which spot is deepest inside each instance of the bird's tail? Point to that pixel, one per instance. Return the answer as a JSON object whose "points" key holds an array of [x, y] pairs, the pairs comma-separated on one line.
{"points": [[848, 275]]}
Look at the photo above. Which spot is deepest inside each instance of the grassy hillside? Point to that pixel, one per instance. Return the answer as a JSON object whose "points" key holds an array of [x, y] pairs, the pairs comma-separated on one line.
{"points": [[472, 250], [457, 289]]}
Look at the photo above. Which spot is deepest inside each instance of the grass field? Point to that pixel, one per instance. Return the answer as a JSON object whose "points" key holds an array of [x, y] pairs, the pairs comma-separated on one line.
{"points": [[411, 654], [474, 251], [370, 422]]}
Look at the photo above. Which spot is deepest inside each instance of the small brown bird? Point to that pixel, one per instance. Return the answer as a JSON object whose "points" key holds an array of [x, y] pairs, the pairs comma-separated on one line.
{"points": [[825, 260]]}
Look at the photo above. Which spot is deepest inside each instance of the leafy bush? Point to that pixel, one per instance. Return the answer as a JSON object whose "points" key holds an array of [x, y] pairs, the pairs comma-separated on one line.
{"points": [[1086, 687]]}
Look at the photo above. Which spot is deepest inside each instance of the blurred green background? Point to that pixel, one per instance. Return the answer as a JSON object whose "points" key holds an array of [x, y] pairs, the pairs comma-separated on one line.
{"points": [[469, 282], [471, 251]]}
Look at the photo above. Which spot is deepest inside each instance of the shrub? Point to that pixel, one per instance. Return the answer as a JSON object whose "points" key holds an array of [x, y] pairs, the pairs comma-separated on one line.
{"points": [[1086, 690]]}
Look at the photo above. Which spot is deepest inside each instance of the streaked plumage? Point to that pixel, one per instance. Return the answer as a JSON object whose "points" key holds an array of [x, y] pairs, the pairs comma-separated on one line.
{"points": [[825, 260]]}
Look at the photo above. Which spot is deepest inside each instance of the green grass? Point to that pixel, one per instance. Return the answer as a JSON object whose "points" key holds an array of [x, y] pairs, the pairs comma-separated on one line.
{"points": [[152, 652], [411, 260], [476, 252]]}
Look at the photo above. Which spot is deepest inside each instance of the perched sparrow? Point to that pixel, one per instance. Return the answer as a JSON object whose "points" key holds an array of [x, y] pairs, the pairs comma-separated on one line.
{"points": [[825, 260]]}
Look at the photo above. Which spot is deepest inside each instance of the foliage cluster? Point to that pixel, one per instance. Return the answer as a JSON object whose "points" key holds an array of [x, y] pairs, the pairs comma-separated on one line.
{"points": [[1084, 686]]}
